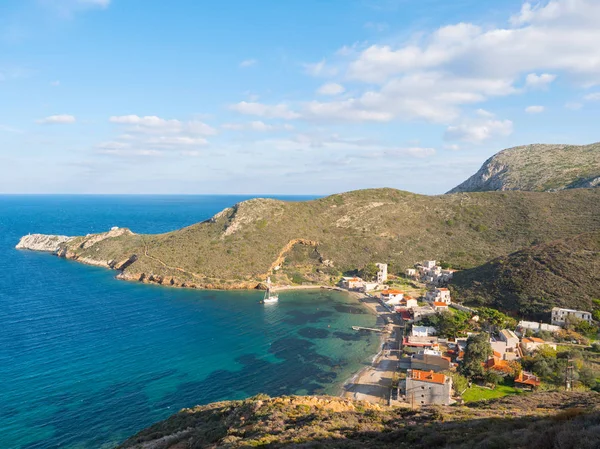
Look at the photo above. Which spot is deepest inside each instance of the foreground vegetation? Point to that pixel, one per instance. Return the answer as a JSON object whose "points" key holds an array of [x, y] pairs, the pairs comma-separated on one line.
{"points": [[316, 241], [540, 420]]}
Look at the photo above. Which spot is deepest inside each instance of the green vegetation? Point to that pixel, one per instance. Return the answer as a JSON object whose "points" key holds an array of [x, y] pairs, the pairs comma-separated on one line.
{"points": [[540, 420], [477, 393], [239, 246], [449, 324], [564, 273], [477, 352], [537, 168]]}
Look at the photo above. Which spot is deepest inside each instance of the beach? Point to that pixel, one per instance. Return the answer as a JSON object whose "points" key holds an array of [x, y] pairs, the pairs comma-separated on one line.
{"points": [[373, 383]]}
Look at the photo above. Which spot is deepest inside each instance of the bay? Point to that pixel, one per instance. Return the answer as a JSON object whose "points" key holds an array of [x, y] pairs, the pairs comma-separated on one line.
{"points": [[87, 360]]}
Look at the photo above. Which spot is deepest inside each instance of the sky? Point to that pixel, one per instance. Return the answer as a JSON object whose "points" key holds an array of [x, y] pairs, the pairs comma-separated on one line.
{"points": [[286, 97]]}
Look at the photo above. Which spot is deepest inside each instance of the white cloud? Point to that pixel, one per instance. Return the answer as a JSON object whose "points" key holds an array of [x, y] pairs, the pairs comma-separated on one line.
{"points": [[453, 147], [171, 141], [479, 131], [153, 124], [256, 125], [331, 89], [413, 152], [592, 97], [57, 119], [248, 63], [539, 81], [484, 113], [534, 109], [100, 3], [264, 110]]}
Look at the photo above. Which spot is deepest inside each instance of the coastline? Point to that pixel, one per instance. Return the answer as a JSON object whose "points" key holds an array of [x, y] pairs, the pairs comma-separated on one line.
{"points": [[361, 386]]}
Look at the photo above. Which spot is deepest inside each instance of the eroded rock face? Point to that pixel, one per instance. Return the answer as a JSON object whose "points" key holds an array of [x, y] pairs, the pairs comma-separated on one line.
{"points": [[42, 242]]}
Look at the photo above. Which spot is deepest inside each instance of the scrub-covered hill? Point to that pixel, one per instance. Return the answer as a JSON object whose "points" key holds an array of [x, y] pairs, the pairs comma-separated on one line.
{"points": [[563, 273], [534, 421], [316, 241], [537, 168]]}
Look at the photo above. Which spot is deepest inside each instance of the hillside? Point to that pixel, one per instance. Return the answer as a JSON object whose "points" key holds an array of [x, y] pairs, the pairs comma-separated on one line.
{"points": [[316, 241], [532, 281], [541, 420], [537, 168]]}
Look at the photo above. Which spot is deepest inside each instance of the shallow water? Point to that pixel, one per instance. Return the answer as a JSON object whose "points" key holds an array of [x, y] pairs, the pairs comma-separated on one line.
{"points": [[87, 360]]}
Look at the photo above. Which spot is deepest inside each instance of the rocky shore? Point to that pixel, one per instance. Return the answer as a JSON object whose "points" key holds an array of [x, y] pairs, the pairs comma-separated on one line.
{"points": [[42, 242]]}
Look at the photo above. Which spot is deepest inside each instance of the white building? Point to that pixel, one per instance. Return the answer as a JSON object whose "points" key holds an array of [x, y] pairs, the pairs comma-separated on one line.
{"points": [[427, 387], [411, 273], [536, 327], [392, 297], [352, 283], [423, 331], [439, 295], [531, 344], [429, 264], [559, 316], [369, 286], [382, 274]]}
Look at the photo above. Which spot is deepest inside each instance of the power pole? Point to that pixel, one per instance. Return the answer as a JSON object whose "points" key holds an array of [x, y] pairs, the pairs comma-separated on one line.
{"points": [[569, 375]]}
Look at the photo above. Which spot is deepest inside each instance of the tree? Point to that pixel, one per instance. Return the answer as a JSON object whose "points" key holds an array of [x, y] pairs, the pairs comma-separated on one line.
{"points": [[369, 272], [477, 352], [459, 383], [449, 324], [495, 318]]}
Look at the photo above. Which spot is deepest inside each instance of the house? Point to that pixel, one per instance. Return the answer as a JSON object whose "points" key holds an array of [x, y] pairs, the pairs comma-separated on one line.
{"points": [[382, 274], [446, 275], [430, 362], [392, 297], [422, 331], [536, 327], [509, 337], [369, 287], [352, 283], [439, 295], [411, 273], [497, 364], [532, 344], [559, 316], [527, 381], [440, 306], [427, 387], [409, 302], [422, 311], [404, 314], [420, 342], [429, 264]]}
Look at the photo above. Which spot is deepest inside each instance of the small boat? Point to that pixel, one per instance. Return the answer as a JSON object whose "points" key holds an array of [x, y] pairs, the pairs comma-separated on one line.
{"points": [[269, 296]]}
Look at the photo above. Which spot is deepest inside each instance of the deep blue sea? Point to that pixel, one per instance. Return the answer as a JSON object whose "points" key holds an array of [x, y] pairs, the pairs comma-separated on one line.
{"points": [[87, 360]]}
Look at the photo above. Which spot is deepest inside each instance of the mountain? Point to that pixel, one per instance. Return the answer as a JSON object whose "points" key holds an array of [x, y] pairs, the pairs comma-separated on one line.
{"points": [[315, 241], [538, 420], [563, 273], [537, 168]]}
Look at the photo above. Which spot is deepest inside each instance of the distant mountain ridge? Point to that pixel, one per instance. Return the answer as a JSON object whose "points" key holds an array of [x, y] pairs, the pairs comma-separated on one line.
{"points": [[538, 168]]}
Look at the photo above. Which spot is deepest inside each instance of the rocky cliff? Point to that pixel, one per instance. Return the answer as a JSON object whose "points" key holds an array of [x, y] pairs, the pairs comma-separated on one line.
{"points": [[41, 242], [537, 168]]}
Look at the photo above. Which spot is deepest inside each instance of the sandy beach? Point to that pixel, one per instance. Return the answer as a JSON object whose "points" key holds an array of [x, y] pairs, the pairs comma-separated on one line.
{"points": [[373, 383]]}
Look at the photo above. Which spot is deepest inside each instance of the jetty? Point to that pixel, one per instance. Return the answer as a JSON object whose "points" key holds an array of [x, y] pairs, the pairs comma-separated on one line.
{"points": [[360, 328]]}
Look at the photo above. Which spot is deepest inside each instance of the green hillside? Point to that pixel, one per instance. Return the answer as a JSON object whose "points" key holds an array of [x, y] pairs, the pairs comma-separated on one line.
{"points": [[540, 421], [316, 241], [537, 168], [531, 281]]}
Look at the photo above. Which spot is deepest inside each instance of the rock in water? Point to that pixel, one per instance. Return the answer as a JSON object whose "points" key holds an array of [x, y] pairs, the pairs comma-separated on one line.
{"points": [[42, 242]]}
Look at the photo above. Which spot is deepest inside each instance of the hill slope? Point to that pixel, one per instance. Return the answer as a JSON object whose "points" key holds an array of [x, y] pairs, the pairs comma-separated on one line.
{"points": [[537, 168], [542, 420], [531, 281], [317, 240]]}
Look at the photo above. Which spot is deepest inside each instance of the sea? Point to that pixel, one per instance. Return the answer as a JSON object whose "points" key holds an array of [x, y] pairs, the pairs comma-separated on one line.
{"points": [[87, 360]]}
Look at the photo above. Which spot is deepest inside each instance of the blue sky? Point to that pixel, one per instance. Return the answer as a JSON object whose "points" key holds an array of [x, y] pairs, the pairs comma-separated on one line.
{"points": [[297, 97]]}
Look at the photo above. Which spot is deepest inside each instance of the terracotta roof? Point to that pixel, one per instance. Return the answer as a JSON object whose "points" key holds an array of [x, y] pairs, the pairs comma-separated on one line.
{"points": [[497, 364], [392, 292], [440, 304], [533, 340], [408, 297], [497, 354], [428, 376], [528, 379], [443, 289]]}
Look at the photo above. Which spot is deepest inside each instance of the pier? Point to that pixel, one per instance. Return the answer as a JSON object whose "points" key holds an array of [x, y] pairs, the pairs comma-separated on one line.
{"points": [[359, 328]]}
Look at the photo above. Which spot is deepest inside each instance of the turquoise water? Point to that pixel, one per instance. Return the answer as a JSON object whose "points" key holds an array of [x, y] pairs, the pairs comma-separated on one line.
{"points": [[87, 360]]}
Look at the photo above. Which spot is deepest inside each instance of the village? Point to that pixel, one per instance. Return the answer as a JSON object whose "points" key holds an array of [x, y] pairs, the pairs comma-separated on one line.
{"points": [[436, 351]]}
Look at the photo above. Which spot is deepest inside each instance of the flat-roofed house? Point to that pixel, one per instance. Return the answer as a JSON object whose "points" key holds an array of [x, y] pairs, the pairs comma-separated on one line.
{"points": [[430, 362], [427, 387], [559, 316], [352, 283], [439, 295], [392, 296], [411, 273], [422, 331], [382, 273], [536, 327]]}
